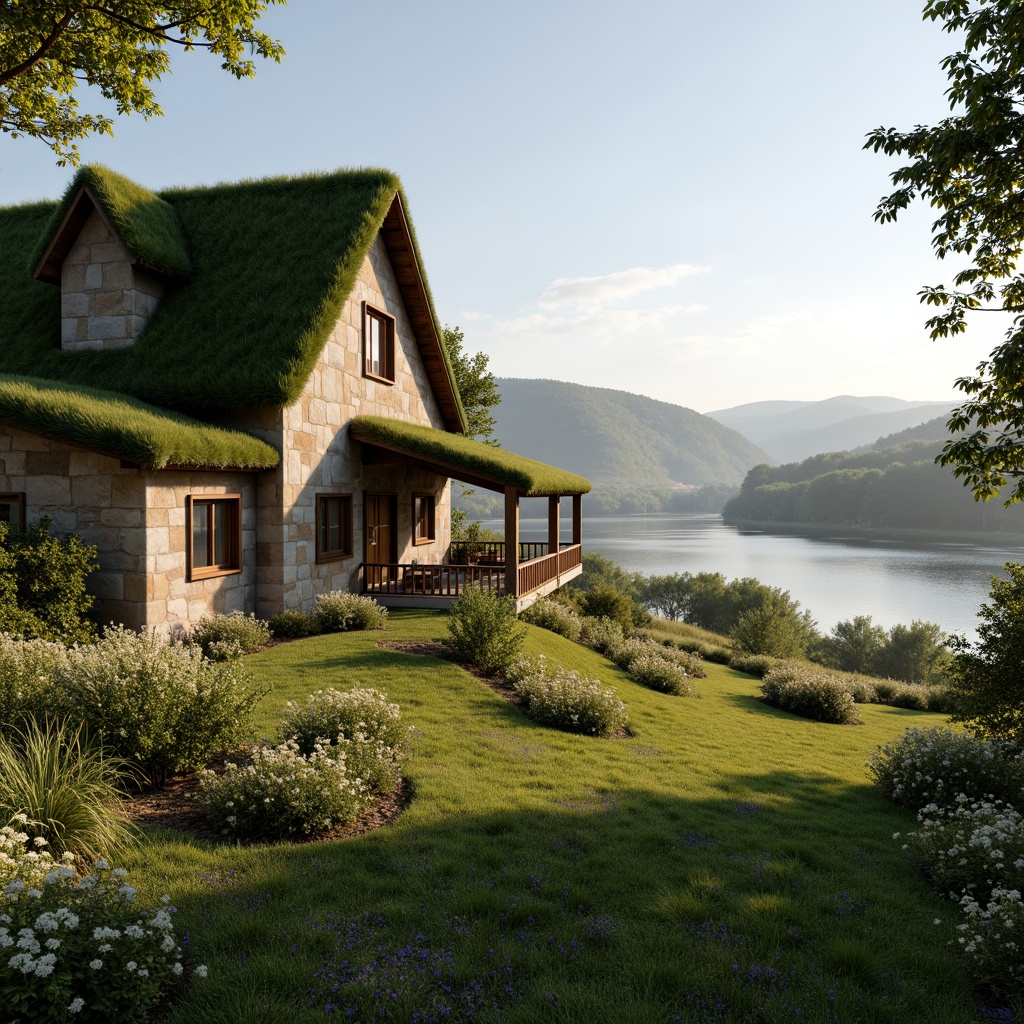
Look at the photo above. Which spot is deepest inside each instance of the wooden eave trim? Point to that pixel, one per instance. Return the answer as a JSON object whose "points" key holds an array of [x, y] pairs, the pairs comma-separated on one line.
{"points": [[49, 266], [375, 454], [397, 238]]}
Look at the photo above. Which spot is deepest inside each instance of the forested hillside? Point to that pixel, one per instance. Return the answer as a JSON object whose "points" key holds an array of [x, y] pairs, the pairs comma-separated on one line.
{"points": [[898, 486]]}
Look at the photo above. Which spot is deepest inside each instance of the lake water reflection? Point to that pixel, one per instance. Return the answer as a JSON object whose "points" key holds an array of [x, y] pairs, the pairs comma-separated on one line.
{"points": [[836, 578]]}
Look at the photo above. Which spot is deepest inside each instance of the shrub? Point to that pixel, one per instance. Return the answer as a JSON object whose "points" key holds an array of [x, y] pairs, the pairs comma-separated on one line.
{"points": [[604, 601], [223, 637], [340, 612], [293, 625], [753, 664], [934, 766], [283, 793], [66, 792], [483, 629], [809, 693], [970, 847], [566, 700], [162, 707], [993, 939], [659, 674], [28, 670], [554, 616], [862, 689], [43, 593], [363, 721], [104, 959], [603, 635]]}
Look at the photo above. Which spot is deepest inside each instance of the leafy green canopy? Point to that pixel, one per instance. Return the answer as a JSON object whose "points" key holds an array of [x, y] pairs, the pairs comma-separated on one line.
{"points": [[970, 168], [455, 451], [49, 47], [124, 428], [273, 262], [146, 224], [477, 386]]}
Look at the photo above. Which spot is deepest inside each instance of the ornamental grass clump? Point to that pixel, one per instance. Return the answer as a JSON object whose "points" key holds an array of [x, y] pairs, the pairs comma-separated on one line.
{"points": [[77, 947], [484, 630], [282, 793], [935, 766], [362, 721], [64, 791], [566, 700], [341, 612], [223, 637], [554, 616], [809, 693], [162, 707]]}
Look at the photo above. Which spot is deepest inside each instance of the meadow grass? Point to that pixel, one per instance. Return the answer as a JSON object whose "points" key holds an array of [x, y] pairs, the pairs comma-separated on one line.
{"points": [[727, 862]]}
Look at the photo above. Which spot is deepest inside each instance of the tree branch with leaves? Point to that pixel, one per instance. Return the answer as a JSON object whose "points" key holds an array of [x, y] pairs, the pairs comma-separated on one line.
{"points": [[970, 168], [48, 48]]}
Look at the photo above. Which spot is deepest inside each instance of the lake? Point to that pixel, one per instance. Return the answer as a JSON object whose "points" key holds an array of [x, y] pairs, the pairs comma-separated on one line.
{"points": [[835, 578]]}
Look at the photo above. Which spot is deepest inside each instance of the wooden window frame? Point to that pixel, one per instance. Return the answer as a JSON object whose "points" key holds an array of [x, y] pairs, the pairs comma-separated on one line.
{"points": [[233, 542], [387, 322], [347, 549], [431, 519], [17, 499]]}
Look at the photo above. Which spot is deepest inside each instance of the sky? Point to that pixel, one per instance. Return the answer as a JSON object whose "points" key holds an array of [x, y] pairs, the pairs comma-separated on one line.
{"points": [[667, 197]]}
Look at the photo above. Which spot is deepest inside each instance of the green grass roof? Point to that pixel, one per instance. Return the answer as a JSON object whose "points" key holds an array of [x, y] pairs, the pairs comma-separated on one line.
{"points": [[272, 263], [125, 428], [145, 223], [456, 452]]}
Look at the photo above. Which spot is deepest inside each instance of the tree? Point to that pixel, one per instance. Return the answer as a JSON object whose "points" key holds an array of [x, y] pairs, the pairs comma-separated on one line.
{"points": [[775, 626], [988, 677], [668, 596], [476, 385], [970, 168], [853, 646], [916, 653], [49, 47]]}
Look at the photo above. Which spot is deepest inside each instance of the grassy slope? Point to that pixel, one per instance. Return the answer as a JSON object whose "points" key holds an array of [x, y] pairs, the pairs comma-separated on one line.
{"points": [[628, 880]]}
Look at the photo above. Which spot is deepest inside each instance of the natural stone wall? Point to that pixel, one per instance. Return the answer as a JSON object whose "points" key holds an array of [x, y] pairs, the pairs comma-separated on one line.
{"points": [[318, 458], [137, 522], [105, 301]]}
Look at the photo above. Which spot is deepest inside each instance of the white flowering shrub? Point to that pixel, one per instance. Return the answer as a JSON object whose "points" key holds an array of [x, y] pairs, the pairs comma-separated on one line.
{"points": [[601, 633], [163, 707], [28, 669], [566, 700], [283, 793], [339, 611], [811, 693], [554, 616], [74, 947], [656, 673], [935, 766], [362, 721], [223, 637], [971, 847], [656, 666], [992, 938], [753, 664]]}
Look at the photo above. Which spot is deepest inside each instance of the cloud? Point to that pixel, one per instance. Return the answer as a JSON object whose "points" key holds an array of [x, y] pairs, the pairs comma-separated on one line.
{"points": [[595, 292]]}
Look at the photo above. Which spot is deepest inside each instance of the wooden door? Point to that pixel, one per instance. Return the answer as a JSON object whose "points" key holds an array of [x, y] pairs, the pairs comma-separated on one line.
{"points": [[381, 535]]}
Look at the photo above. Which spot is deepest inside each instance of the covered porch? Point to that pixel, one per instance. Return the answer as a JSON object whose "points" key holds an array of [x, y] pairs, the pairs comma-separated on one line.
{"points": [[523, 570]]}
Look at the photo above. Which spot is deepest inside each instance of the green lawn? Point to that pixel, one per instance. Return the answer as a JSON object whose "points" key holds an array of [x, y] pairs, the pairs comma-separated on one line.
{"points": [[728, 862]]}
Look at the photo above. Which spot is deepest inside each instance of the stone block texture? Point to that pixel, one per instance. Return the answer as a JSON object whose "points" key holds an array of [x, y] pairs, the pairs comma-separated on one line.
{"points": [[106, 301]]}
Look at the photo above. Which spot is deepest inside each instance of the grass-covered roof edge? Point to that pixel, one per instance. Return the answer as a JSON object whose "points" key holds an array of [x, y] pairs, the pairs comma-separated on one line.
{"points": [[125, 428], [456, 454], [147, 226]]}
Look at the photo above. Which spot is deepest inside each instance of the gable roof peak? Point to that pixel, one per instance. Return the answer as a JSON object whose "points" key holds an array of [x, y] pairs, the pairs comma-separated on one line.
{"points": [[146, 225]]}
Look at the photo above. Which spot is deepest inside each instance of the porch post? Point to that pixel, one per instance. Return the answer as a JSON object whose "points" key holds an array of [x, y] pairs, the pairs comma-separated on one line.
{"points": [[512, 542], [577, 519], [553, 525]]}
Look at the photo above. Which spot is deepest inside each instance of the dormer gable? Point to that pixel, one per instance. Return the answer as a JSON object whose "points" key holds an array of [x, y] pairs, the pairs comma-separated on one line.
{"points": [[113, 247]]}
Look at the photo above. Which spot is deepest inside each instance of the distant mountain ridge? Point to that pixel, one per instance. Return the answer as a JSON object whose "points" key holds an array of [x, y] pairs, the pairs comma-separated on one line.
{"points": [[615, 437], [792, 431]]}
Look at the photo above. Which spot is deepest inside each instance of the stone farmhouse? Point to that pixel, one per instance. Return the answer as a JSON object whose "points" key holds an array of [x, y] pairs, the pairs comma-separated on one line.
{"points": [[240, 395]]}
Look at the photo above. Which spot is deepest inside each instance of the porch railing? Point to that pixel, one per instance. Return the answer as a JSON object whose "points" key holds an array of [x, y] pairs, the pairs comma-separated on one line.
{"points": [[466, 552]]}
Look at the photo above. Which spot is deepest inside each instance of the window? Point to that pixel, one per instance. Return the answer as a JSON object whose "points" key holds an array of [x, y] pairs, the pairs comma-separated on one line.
{"points": [[333, 527], [378, 344], [12, 509], [423, 518], [213, 534]]}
